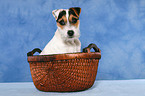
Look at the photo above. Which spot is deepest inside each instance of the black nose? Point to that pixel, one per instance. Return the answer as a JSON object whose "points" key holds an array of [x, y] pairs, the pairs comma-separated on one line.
{"points": [[70, 32]]}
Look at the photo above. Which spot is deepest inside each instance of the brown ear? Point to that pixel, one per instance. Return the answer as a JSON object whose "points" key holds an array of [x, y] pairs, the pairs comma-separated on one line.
{"points": [[76, 10]]}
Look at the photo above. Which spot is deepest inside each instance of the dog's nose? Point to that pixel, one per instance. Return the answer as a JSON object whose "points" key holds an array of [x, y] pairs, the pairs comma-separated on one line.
{"points": [[70, 32]]}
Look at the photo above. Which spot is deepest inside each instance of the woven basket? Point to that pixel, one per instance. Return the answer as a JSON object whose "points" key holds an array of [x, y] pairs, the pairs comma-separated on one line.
{"points": [[64, 72]]}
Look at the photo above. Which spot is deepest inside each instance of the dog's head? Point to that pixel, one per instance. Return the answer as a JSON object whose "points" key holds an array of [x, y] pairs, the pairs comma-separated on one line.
{"points": [[68, 22]]}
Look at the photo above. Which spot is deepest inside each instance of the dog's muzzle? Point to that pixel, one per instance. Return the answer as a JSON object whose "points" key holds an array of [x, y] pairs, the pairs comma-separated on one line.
{"points": [[70, 33]]}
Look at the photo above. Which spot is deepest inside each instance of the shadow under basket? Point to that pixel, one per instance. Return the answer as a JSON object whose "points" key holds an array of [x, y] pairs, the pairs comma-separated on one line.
{"points": [[64, 72]]}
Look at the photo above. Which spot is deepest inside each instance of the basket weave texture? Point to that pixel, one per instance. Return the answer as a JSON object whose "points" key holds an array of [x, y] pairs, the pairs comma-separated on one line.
{"points": [[64, 72]]}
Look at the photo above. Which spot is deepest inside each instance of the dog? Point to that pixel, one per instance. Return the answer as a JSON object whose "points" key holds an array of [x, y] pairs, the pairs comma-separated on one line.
{"points": [[66, 38]]}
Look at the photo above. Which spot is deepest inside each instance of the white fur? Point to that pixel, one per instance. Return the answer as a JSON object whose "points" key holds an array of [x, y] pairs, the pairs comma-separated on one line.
{"points": [[61, 43]]}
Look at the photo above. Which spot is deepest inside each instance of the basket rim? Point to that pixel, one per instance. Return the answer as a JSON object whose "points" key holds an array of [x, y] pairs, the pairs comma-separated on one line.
{"points": [[65, 56]]}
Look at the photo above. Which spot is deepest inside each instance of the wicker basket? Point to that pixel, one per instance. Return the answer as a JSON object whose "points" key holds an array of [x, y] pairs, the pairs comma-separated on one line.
{"points": [[64, 72]]}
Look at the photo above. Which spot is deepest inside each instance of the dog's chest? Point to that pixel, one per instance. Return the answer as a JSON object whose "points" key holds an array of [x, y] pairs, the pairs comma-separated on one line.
{"points": [[72, 46]]}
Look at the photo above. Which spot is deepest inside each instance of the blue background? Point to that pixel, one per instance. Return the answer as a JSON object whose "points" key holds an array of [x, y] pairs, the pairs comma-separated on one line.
{"points": [[116, 26]]}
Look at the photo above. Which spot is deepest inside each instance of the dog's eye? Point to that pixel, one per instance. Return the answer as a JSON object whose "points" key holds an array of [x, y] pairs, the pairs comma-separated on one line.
{"points": [[74, 20], [62, 22]]}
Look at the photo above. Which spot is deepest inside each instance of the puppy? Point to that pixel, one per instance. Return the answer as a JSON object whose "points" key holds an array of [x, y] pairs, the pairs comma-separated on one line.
{"points": [[66, 38]]}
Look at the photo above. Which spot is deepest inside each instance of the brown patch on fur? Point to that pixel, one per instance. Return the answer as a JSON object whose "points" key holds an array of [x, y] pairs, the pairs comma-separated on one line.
{"points": [[70, 20], [76, 10], [65, 20]]}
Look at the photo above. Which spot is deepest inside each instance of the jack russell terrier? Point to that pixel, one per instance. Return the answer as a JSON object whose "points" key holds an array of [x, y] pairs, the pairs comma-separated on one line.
{"points": [[66, 38]]}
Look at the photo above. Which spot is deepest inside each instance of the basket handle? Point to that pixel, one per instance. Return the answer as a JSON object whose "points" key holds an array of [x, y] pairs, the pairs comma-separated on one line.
{"points": [[87, 49], [33, 51]]}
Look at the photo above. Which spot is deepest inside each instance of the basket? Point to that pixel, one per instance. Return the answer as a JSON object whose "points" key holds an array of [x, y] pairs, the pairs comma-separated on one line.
{"points": [[64, 72]]}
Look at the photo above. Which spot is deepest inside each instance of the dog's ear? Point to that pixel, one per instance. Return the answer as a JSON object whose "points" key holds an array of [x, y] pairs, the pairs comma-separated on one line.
{"points": [[76, 10], [56, 12]]}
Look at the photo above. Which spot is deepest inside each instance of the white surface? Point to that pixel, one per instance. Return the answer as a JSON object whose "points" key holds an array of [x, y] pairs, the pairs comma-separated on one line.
{"points": [[100, 88]]}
